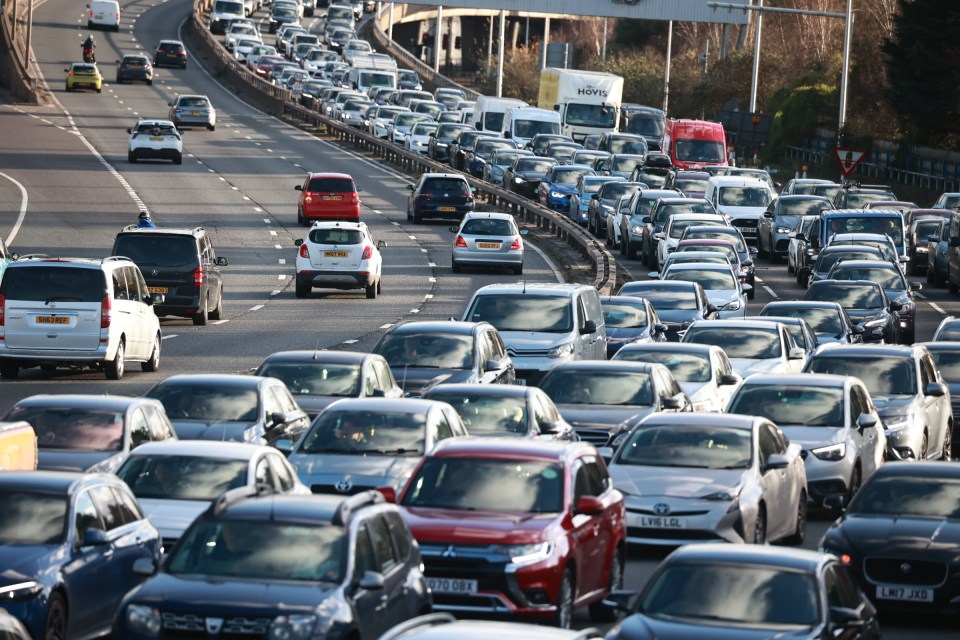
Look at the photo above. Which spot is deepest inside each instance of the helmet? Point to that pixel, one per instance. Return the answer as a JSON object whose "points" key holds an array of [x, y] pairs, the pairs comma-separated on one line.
{"points": [[144, 215]]}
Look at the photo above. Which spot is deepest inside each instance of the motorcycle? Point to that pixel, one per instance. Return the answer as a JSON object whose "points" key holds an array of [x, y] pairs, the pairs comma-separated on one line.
{"points": [[88, 55]]}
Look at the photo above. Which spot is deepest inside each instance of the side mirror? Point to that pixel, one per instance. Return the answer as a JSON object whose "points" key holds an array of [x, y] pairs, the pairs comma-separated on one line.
{"points": [[712, 308], [777, 461], [845, 618], [144, 567], [797, 353], [14, 256], [747, 263], [903, 259], [589, 505], [659, 328], [746, 288], [359, 189], [646, 220], [937, 389], [589, 327], [798, 236], [492, 364], [625, 601], [768, 214], [916, 286], [753, 250], [895, 306], [453, 228], [728, 379], [299, 187], [148, 300], [866, 421], [857, 329], [371, 581], [222, 262], [672, 403], [389, 494], [284, 446], [277, 418], [933, 239], [381, 244], [298, 242], [129, 130], [654, 275], [524, 232], [835, 502], [595, 196], [94, 537], [409, 187]]}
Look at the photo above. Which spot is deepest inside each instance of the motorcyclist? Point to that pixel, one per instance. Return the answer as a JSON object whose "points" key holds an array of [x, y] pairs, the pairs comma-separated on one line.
{"points": [[89, 48], [145, 221]]}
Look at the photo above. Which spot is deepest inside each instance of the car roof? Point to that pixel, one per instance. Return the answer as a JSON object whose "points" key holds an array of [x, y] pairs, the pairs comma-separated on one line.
{"points": [[171, 42], [677, 199], [670, 347], [802, 196], [658, 284], [622, 366], [693, 266], [80, 401], [316, 508], [50, 481], [840, 248], [456, 327], [801, 379], [339, 224], [942, 345], [210, 379], [859, 350], [318, 356], [709, 242], [534, 288], [509, 448], [736, 323], [697, 216], [738, 181], [863, 264], [201, 449], [491, 390], [393, 405], [783, 557], [192, 95], [458, 176], [845, 283], [925, 469], [803, 304], [162, 231], [728, 420]]}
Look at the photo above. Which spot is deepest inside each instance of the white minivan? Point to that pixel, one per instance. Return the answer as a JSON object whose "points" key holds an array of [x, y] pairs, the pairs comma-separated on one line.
{"points": [[542, 324], [104, 14]]}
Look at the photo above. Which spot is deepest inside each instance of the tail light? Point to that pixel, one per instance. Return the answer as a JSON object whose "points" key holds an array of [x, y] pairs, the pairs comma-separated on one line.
{"points": [[106, 308], [424, 195], [304, 251], [367, 253], [3, 309], [198, 277], [91, 13], [461, 242], [118, 17], [517, 245]]}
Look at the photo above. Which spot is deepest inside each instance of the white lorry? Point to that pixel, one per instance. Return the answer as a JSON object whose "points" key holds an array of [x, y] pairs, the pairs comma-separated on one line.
{"points": [[588, 101], [372, 70], [488, 112], [520, 124]]}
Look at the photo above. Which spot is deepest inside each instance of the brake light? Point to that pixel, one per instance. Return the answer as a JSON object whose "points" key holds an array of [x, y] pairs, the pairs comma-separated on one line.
{"points": [[367, 253], [105, 312], [198, 277], [304, 252], [461, 242], [91, 13], [517, 245], [118, 17], [3, 309]]}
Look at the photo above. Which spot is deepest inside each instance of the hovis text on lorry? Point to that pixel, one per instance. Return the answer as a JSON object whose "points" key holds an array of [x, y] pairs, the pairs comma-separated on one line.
{"points": [[588, 101]]}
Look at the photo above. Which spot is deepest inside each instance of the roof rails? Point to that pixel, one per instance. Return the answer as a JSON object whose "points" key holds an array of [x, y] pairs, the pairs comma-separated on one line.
{"points": [[233, 496], [355, 502], [115, 259], [34, 256]]}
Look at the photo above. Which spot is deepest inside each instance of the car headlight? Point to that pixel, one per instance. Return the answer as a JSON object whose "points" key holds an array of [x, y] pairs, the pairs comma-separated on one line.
{"points": [[295, 627], [731, 495], [636, 230], [556, 194], [144, 620], [606, 208], [518, 180], [619, 439], [832, 452], [783, 230], [561, 350], [897, 422], [733, 305], [524, 554], [19, 591]]}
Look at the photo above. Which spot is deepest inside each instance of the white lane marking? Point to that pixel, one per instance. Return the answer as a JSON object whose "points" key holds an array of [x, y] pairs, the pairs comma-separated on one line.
{"points": [[246, 198], [278, 246], [770, 291], [428, 296], [550, 263], [272, 232], [257, 307], [431, 264], [378, 212], [282, 277], [24, 200], [414, 310], [170, 336], [258, 209], [412, 237], [757, 279], [937, 308], [220, 321], [266, 220], [431, 279], [386, 326], [350, 341], [282, 261], [275, 292], [423, 250]]}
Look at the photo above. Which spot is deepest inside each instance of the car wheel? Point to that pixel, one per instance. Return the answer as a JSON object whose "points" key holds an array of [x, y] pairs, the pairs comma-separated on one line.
{"points": [[564, 618], [760, 250], [200, 317], [183, 66], [153, 364], [114, 368], [131, 157], [178, 159], [631, 250], [855, 478], [119, 80], [929, 275], [372, 291], [922, 455], [947, 444], [939, 279], [9, 370], [518, 270], [301, 290], [800, 532], [951, 287], [56, 625], [99, 89], [600, 612], [790, 268], [212, 127], [217, 313], [455, 266], [379, 287], [300, 219], [760, 526], [149, 82], [417, 218]]}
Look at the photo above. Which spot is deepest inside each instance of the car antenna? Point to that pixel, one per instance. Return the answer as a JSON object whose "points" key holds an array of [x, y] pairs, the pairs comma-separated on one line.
{"points": [[524, 285], [316, 349]]}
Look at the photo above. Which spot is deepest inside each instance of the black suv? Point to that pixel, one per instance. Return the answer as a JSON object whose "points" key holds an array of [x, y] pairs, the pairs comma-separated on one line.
{"points": [[179, 263], [170, 53], [278, 566], [858, 195]]}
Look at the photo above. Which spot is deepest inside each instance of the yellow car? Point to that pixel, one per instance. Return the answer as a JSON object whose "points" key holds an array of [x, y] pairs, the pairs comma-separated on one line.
{"points": [[84, 75]]}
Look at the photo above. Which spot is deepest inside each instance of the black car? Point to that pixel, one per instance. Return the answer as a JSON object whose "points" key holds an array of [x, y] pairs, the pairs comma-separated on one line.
{"points": [[525, 174], [463, 144], [820, 264], [900, 536], [648, 122], [440, 140], [866, 304], [538, 143], [895, 285], [170, 53], [134, 66], [654, 170], [855, 196], [424, 354], [182, 265], [829, 321], [678, 303], [747, 592], [602, 204], [275, 566], [616, 142], [439, 195]]}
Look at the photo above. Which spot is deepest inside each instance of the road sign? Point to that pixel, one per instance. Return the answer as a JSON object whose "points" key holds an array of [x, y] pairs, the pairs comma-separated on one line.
{"points": [[848, 159]]}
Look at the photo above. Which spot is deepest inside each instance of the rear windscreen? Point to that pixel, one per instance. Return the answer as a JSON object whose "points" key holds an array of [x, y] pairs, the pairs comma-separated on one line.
{"points": [[450, 185], [54, 283], [333, 185], [228, 7], [336, 236], [158, 251]]}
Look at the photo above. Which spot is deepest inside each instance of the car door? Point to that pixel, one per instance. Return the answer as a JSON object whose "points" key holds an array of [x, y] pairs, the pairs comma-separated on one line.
{"points": [[773, 483], [88, 570], [159, 424], [610, 521], [295, 419], [587, 542], [126, 315], [136, 537], [282, 472], [936, 408], [391, 566], [211, 271], [842, 593], [385, 379], [139, 428], [491, 350], [870, 441]]}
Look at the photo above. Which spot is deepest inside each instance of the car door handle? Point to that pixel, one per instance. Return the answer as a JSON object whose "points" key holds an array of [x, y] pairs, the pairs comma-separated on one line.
{"points": [[108, 554]]}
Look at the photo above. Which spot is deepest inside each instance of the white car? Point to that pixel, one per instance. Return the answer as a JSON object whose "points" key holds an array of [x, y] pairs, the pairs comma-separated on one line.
{"points": [[237, 31], [753, 346], [244, 47], [155, 140], [704, 372], [401, 124], [668, 239], [355, 48], [339, 255], [719, 282], [254, 55], [380, 121], [419, 138], [614, 221]]}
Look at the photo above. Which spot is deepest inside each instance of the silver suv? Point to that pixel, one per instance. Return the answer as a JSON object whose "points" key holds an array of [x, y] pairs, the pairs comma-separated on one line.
{"points": [[78, 313]]}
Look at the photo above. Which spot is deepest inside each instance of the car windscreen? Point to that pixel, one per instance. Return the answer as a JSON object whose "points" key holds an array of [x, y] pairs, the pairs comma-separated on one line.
{"points": [[791, 405], [477, 484], [691, 184], [738, 342], [677, 227], [858, 296], [909, 497], [53, 284], [366, 432], [590, 115], [801, 207], [627, 145], [489, 415], [331, 185], [222, 6], [820, 320], [538, 165], [149, 250], [644, 124], [699, 447], [193, 103], [829, 258], [685, 367], [699, 150], [488, 146], [530, 128], [488, 227], [315, 378], [887, 225], [73, 428], [948, 362], [725, 251], [445, 185], [882, 375], [624, 315], [625, 164], [172, 477], [568, 176], [719, 232], [523, 312], [207, 403], [667, 210], [615, 190], [32, 517], [664, 297], [428, 350], [744, 196], [708, 279], [574, 386], [886, 278]]}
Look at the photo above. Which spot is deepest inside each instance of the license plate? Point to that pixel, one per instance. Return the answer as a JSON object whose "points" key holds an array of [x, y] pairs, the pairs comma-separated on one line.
{"points": [[662, 522], [447, 208], [157, 289], [333, 197], [335, 254], [157, 138], [488, 245], [452, 585], [53, 320], [193, 113], [906, 594]]}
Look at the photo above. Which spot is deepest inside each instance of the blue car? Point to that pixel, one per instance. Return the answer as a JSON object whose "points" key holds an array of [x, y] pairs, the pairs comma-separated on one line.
{"points": [[561, 183], [68, 543], [630, 319], [937, 248], [579, 208]]}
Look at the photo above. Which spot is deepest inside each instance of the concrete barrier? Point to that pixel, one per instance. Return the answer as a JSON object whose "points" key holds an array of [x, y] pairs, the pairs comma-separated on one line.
{"points": [[14, 69]]}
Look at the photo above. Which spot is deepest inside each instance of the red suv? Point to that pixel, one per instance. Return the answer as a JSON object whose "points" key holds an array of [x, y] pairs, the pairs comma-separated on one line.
{"points": [[328, 196], [517, 528]]}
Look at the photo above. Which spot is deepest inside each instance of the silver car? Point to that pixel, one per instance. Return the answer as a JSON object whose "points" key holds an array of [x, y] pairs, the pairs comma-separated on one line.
{"points": [[704, 477], [488, 240], [754, 346], [831, 417]]}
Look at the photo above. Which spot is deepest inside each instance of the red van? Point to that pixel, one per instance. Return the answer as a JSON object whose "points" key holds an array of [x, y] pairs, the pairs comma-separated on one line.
{"points": [[695, 144]]}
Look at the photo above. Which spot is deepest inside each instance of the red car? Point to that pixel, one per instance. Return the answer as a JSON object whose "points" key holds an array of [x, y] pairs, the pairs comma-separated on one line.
{"points": [[517, 528], [265, 65], [328, 196]]}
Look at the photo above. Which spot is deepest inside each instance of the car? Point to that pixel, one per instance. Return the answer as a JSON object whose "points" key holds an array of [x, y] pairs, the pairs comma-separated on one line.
{"points": [[821, 264], [880, 241], [831, 417], [83, 75], [238, 30], [702, 477], [753, 346], [318, 378], [865, 303], [904, 207], [589, 157], [718, 251], [281, 15], [241, 564], [11, 628], [266, 63], [466, 491], [908, 391], [654, 170], [675, 227], [488, 240], [899, 291], [938, 246], [678, 303], [918, 234], [716, 591], [798, 247], [498, 163], [92, 433], [828, 320], [504, 410], [617, 142], [193, 110], [339, 255], [721, 285], [437, 626], [798, 328], [103, 316], [601, 207], [946, 358], [524, 175], [622, 164], [475, 160], [170, 53], [621, 210], [230, 407], [419, 137], [371, 443], [630, 320], [663, 208], [328, 196], [446, 135], [399, 128], [781, 216], [562, 151], [424, 354], [179, 264], [894, 524], [135, 66], [408, 79], [244, 47], [691, 183], [439, 195], [462, 144], [69, 542], [600, 398], [947, 330], [351, 114], [804, 186], [155, 140], [380, 120], [746, 269], [177, 480], [635, 234], [538, 143], [703, 371], [559, 184], [855, 196], [587, 186]]}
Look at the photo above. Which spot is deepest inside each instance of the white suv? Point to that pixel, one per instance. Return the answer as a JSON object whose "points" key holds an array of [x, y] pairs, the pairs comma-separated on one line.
{"points": [[155, 140], [77, 312], [339, 255]]}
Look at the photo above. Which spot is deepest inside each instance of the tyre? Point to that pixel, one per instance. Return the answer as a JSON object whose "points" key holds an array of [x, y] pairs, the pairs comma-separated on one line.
{"points": [[760, 250], [212, 127], [599, 612], [951, 287], [379, 285], [929, 275], [55, 627], [153, 364], [947, 451], [417, 218], [800, 533], [301, 290], [760, 526], [855, 478], [455, 267], [131, 157], [183, 65], [371, 291], [99, 89], [119, 80], [114, 368], [217, 312], [178, 159], [300, 219], [9, 370], [201, 317], [564, 617], [914, 267], [939, 279], [631, 250], [149, 83]]}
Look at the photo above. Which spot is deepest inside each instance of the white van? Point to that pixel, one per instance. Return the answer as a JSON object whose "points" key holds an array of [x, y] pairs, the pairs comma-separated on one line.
{"points": [[520, 124], [104, 14], [743, 200], [223, 13], [488, 112], [542, 324]]}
